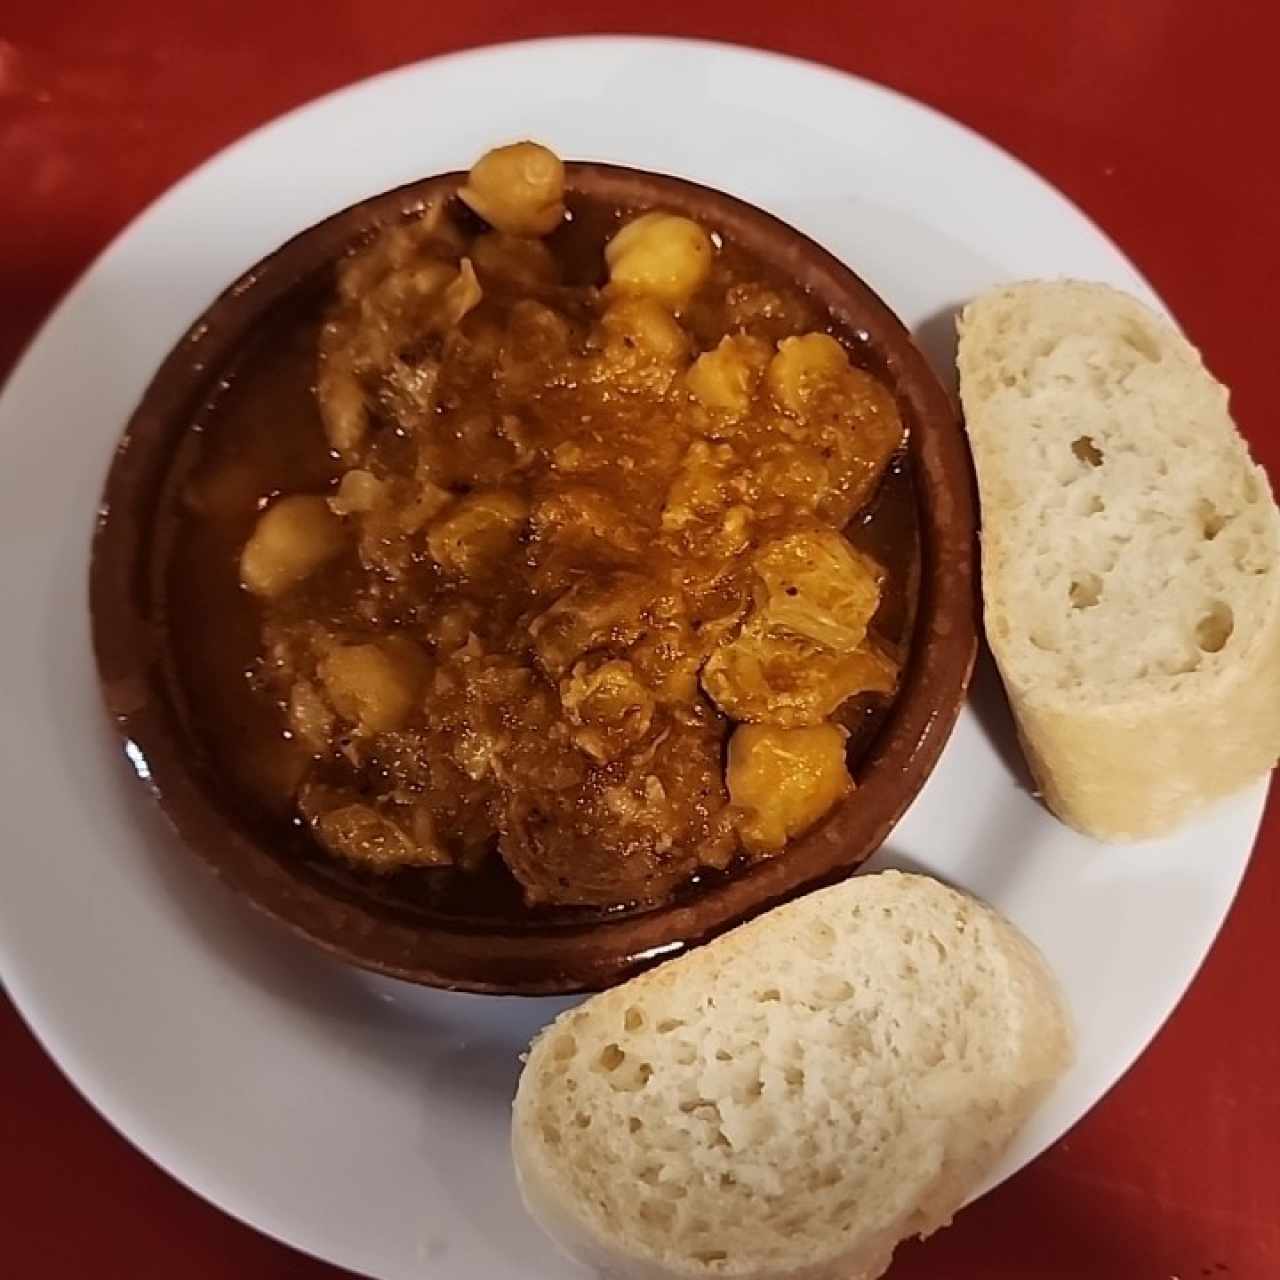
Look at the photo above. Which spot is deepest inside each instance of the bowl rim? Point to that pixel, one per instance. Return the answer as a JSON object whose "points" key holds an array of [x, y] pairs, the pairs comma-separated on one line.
{"points": [[560, 957]]}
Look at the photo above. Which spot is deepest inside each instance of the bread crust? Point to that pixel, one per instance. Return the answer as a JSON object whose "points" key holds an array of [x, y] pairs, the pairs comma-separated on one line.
{"points": [[1136, 772]]}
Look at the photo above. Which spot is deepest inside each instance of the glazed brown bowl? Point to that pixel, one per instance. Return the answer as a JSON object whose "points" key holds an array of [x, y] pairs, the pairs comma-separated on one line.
{"points": [[526, 953]]}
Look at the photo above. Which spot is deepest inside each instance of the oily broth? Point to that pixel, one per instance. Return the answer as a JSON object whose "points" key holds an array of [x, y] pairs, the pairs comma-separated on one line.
{"points": [[261, 435]]}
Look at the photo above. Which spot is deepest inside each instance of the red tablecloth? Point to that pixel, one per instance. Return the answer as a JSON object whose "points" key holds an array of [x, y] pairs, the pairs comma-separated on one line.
{"points": [[1158, 116]]}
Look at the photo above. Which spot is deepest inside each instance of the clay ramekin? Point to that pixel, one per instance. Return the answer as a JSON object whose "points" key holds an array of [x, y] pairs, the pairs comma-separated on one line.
{"points": [[537, 957]]}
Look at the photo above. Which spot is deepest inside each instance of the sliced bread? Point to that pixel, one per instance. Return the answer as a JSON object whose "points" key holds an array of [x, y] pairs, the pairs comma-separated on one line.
{"points": [[796, 1097], [1130, 557]]}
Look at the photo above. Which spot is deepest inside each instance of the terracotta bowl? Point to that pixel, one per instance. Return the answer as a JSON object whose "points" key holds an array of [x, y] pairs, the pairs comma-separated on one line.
{"points": [[530, 955]]}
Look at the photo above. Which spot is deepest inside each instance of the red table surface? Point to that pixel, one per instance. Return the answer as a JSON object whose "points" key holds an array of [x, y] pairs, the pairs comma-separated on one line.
{"points": [[1157, 116]]}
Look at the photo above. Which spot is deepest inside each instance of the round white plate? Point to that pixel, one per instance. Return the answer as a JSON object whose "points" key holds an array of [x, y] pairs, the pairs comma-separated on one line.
{"points": [[357, 1118]]}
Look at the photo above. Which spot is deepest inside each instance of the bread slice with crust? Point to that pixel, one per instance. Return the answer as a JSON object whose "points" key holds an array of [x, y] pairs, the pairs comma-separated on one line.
{"points": [[793, 1099], [1130, 557]]}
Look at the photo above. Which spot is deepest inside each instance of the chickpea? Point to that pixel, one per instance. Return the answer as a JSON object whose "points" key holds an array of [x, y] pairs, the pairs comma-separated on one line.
{"points": [[517, 189], [803, 366], [661, 255], [375, 686], [358, 492], [644, 325], [784, 780], [293, 538], [726, 378], [641, 346], [342, 403]]}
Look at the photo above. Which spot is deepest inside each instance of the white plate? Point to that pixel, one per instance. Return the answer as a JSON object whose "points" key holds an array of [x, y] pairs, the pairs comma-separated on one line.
{"points": [[360, 1119]]}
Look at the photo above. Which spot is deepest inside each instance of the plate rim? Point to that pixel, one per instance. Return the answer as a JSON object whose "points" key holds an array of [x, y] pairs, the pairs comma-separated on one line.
{"points": [[97, 1093]]}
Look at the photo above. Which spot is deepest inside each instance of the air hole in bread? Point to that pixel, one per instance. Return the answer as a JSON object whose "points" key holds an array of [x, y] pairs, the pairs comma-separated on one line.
{"points": [[770, 995], [700, 1104], [1040, 640], [633, 1020], [582, 1120], [611, 1058], [822, 939], [709, 1256], [1215, 628], [668, 1025], [1212, 521], [842, 1210], [634, 1124], [1085, 591], [793, 1076], [1085, 449], [551, 1135], [635, 1081], [657, 1213], [563, 1048], [832, 990], [723, 1055], [1094, 506]]}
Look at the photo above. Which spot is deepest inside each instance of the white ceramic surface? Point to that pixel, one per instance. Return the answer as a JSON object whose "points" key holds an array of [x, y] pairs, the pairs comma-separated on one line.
{"points": [[358, 1118]]}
